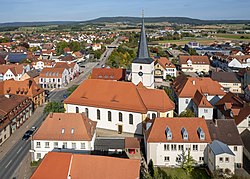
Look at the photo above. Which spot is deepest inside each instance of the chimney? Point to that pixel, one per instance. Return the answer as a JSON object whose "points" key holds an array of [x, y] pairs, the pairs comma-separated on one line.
{"points": [[51, 114], [215, 122]]}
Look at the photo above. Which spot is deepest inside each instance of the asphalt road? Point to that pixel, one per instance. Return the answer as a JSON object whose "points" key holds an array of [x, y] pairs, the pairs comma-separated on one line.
{"points": [[15, 156]]}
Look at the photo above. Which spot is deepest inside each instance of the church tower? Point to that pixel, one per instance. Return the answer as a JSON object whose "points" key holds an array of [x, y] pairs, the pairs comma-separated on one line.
{"points": [[143, 65]]}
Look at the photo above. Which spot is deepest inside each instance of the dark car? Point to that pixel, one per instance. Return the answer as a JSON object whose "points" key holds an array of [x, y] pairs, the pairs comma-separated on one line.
{"points": [[27, 134]]}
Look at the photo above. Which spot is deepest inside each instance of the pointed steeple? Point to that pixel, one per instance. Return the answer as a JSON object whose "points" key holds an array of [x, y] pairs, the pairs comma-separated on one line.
{"points": [[142, 53]]}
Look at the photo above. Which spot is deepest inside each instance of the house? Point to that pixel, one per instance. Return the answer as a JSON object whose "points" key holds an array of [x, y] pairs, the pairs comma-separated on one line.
{"points": [[236, 62], [232, 107], [186, 95], [34, 74], [118, 106], [247, 93], [245, 136], [40, 64], [15, 71], [86, 166], [225, 130], [73, 68], [2, 60], [96, 47], [14, 111], [54, 78], [228, 81], [163, 68], [27, 88], [194, 63], [117, 74], [220, 157], [64, 131], [167, 139], [16, 57], [246, 79]]}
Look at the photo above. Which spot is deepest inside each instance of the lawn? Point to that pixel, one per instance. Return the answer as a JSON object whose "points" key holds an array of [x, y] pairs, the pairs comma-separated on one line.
{"points": [[179, 173], [234, 36]]}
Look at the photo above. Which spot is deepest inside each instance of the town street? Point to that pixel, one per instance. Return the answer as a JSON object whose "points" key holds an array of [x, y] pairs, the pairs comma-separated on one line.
{"points": [[14, 158]]}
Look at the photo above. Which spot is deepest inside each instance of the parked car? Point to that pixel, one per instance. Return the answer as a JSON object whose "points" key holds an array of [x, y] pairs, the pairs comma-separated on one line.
{"points": [[28, 133]]}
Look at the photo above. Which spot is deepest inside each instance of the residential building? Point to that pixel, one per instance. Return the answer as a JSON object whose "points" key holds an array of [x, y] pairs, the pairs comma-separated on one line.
{"points": [[118, 106], [163, 68], [14, 71], [225, 130], [73, 68], [242, 120], [96, 47], [64, 131], [14, 111], [245, 136], [54, 78], [228, 81], [27, 88], [168, 138], [186, 95], [40, 64], [143, 65], [220, 157], [117, 74], [236, 62], [86, 166], [34, 74], [194, 63], [247, 93]]}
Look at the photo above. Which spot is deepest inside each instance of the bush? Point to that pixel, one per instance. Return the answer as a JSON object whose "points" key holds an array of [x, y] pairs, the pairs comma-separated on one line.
{"points": [[54, 107]]}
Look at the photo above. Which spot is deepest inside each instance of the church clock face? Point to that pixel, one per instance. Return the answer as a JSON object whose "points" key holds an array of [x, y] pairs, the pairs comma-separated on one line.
{"points": [[140, 73]]}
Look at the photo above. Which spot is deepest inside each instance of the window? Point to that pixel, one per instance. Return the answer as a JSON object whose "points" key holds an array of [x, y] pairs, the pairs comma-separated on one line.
{"points": [[166, 147], [82, 145], [221, 159], [248, 122], [140, 67], [63, 130], [166, 158], [153, 116], [55, 144], [201, 159], [235, 148], [73, 145], [130, 118], [173, 146], [120, 116], [178, 159], [180, 147], [77, 109], [59, 80], [98, 114], [64, 146], [72, 131], [109, 116], [38, 156], [227, 159], [195, 147], [46, 144], [87, 112], [38, 144], [205, 111], [186, 101]]}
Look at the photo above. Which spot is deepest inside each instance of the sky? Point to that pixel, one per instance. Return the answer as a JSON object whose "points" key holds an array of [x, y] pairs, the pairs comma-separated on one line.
{"points": [[79, 10]]}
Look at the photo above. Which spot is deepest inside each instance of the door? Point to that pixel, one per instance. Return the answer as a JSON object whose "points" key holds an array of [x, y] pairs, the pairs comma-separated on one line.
{"points": [[119, 129]]}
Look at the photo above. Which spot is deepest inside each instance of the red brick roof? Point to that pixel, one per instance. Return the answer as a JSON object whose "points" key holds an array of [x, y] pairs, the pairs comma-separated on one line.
{"points": [[60, 165], [120, 96], [156, 133]]}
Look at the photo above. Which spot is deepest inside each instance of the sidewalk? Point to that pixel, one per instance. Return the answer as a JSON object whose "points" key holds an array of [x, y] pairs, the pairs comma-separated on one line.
{"points": [[17, 135]]}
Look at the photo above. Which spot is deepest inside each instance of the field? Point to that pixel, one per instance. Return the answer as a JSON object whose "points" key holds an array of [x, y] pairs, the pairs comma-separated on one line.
{"points": [[234, 36]]}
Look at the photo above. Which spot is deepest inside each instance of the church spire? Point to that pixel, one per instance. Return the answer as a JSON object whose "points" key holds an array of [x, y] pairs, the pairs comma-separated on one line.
{"points": [[142, 53]]}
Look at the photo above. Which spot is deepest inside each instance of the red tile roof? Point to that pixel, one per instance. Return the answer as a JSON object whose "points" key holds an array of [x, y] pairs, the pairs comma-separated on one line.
{"points": [[52, 72], [109, 73], [201, 60], [51, 128], [164, 62], [120, 96], [60, 165], [156, 133]]}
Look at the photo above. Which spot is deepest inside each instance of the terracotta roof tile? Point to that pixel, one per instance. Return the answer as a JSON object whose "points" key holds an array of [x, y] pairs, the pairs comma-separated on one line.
{"points": [[51, 129], [156, 133], [109, 73], [52, 72], [164, 62], [201, 60]]}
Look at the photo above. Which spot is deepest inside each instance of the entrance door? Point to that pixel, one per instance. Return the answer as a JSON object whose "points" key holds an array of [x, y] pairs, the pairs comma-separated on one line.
{"points": [[119, 129]]}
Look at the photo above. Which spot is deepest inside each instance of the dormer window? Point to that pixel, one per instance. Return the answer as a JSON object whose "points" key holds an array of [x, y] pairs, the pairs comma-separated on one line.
{"points": [[201, 133], [72, 131], [184, 134], [168, 133], [63, 130]]}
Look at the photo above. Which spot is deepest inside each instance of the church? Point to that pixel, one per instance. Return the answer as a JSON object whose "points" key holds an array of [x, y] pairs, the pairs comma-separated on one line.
{"points": [[122, 106]]}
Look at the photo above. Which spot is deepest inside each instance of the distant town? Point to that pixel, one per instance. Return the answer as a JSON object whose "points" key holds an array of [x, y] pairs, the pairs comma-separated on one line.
{"points": [[108, 99]]}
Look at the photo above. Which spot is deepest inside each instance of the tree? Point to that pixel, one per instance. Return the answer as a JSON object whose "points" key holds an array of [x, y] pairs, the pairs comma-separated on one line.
{"points": [[54, 107], [192, 51], [169, 92], [187, 113], [151, 168], [188, 162], [72, 89]]}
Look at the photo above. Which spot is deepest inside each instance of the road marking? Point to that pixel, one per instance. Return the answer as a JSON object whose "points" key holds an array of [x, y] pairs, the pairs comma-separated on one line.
{"points": [[8, 164], [19, 150]]}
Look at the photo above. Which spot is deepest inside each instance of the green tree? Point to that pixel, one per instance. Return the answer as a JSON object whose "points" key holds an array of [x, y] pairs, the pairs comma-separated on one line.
{"points": [[71, 89], [54, 107], [187, 113], [151, 168], [188, 162], [192, 51], [169, 92]]}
